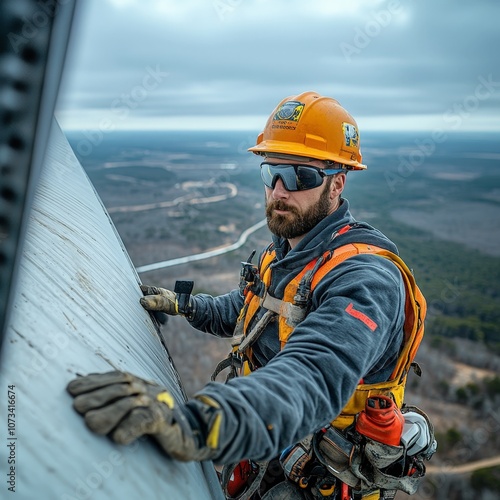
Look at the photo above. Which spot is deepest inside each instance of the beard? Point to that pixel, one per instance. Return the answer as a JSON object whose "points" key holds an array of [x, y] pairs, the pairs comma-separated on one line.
{"points": [[297, 223]]}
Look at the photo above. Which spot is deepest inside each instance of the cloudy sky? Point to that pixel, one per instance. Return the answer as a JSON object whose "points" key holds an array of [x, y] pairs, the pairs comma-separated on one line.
{"points": [[225, 64]]}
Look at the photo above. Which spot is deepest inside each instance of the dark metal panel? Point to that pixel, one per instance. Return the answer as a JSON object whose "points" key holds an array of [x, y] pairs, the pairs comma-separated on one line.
{"points": [[33, 41]]}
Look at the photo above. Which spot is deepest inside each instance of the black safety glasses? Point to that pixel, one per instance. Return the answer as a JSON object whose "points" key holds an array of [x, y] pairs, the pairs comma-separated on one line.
{"points": [[295, 177]]}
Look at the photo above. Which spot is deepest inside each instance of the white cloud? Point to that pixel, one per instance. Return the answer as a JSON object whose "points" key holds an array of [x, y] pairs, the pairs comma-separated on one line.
{"points": [[405, 66]]}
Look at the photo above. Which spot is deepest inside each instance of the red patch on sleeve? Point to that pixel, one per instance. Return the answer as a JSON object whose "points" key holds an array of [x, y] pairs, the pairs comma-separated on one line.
{"points": [[361, 316]]}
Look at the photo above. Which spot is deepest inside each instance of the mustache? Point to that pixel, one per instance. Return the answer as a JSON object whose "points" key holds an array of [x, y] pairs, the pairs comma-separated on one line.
{"points": [[279, 205]]}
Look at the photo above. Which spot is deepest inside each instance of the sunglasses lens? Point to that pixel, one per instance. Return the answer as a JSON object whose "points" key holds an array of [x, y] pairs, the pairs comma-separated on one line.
{"points": [[267, 176], [294, 177], [308, 178], [271, 173]]}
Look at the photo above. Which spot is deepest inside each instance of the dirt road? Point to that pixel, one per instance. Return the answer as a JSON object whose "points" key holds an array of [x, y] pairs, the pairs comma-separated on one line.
{"points": [[464, 468]]}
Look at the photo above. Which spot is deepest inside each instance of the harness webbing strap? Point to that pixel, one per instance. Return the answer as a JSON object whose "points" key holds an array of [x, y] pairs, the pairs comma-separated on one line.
{"points": [[249, 339], [293, 314], [252, 302]]}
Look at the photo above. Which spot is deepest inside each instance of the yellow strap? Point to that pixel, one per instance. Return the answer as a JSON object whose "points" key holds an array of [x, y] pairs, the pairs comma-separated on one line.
{"points": [[214, 432], [167, 398], [375, 495], [213, 435]]}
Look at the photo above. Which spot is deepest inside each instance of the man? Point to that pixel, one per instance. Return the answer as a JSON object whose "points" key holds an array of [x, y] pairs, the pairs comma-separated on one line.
{"points": [[308, 343]]}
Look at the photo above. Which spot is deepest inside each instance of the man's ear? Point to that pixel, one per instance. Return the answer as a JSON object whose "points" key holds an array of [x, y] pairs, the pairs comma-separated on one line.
{"points": [[337, 185]]}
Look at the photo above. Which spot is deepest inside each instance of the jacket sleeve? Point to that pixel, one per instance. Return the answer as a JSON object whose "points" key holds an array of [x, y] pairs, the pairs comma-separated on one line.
{"points": [[217, 315], [355, 324]]}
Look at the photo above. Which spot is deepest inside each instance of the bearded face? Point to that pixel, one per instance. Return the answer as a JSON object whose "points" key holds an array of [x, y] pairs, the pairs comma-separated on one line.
{"points": [[297, 222]]}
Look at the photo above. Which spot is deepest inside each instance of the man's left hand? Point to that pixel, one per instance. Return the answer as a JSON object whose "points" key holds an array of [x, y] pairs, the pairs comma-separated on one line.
{"points": [[127, 407]]}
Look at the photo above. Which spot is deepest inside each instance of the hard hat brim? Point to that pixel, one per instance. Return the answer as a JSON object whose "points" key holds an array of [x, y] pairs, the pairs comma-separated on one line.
{"points": [[293, 148]]}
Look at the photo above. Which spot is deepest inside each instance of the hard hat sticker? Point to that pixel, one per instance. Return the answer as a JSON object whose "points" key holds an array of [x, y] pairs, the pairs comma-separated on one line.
{"points": [[351, 137], [290, 110]]}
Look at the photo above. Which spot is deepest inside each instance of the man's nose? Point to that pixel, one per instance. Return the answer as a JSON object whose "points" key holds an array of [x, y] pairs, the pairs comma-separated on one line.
{"points": [[279, 190]]}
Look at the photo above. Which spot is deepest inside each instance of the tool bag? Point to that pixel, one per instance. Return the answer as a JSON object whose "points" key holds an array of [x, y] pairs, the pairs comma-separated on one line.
{"points": [[363, 463]]}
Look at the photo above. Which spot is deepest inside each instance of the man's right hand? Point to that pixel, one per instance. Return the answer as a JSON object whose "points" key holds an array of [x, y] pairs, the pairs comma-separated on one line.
{"points": [[159, 299]]}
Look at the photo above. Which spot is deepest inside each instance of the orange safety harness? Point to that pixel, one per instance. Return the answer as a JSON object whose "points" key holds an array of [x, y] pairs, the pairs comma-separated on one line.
{"points": [[293, 307]]}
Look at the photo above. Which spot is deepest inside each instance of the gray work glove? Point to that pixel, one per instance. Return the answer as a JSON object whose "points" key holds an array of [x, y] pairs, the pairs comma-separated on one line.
{"points": [[127, 407], [159, 299]]}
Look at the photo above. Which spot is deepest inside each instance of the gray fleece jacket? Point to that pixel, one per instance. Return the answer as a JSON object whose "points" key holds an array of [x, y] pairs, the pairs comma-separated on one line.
{"points": [[303, 387]]}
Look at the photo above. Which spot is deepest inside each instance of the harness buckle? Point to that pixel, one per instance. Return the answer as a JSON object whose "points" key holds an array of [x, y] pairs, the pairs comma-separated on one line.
{"points": [[248, 273], [233, 361]]}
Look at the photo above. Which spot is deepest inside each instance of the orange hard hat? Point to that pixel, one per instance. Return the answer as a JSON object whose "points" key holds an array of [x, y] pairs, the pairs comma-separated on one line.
{"points": [[312, 126]]}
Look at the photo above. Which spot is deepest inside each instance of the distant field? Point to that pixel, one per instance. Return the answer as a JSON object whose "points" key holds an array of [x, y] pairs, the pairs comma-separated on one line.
{"points": [[473, 224]]}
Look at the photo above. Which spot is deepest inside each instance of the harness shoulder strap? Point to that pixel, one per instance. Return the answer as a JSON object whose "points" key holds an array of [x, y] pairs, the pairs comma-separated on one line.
{"points": [[340, 255], [329, 261], [415, 304]]}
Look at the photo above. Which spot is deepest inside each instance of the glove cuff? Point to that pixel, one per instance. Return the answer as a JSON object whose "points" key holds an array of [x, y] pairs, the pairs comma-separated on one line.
{"points": [[190, 310], [204, 415]]}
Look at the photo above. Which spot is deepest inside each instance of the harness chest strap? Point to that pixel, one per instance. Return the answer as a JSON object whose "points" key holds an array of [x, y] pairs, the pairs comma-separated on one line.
{"points": [[290, 315], [287, 310]]}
